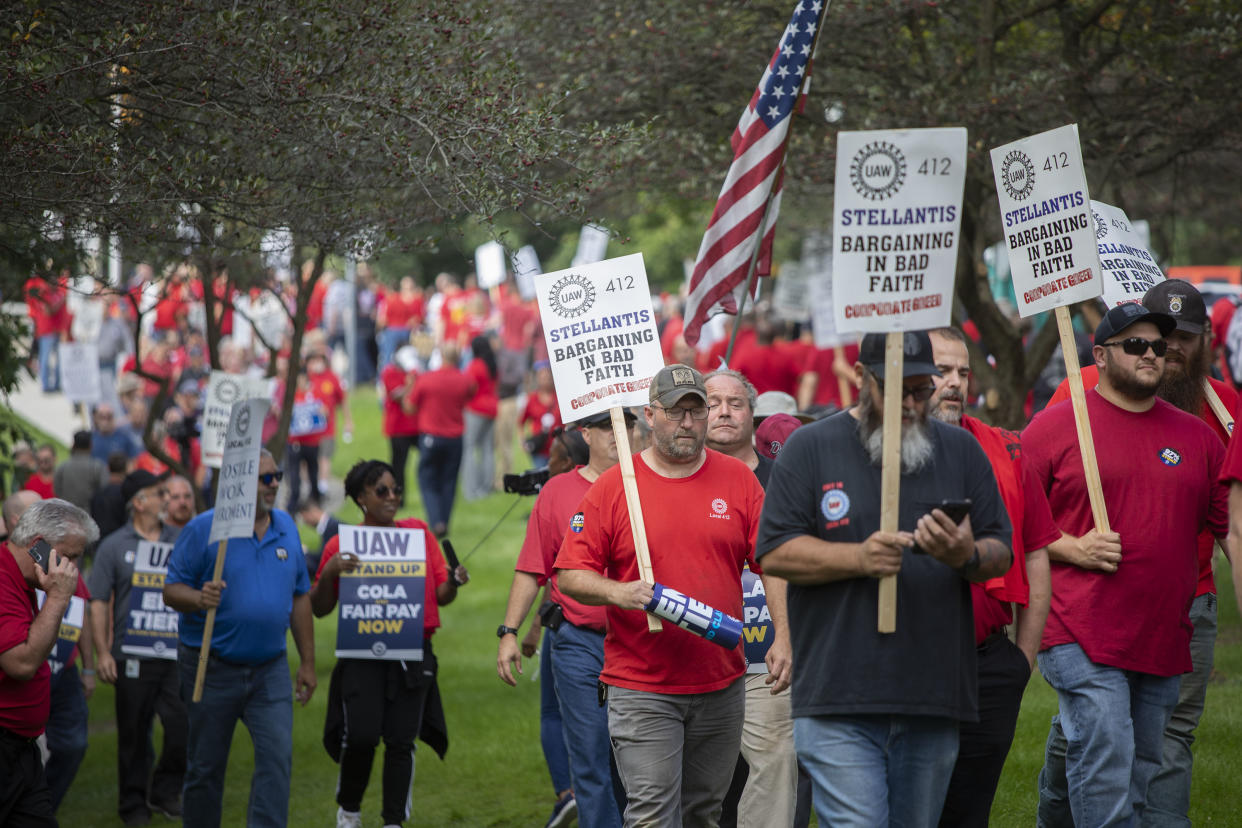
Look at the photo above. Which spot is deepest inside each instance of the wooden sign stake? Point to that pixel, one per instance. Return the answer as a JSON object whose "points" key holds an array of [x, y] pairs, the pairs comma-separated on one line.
{"points": [[633, 505], [209, 626], [1224, 415], [890, 470], [1086, 446]]}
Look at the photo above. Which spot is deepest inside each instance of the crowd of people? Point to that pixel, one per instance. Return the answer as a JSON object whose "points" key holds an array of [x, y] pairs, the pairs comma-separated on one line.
{"points": [[760, 484]]}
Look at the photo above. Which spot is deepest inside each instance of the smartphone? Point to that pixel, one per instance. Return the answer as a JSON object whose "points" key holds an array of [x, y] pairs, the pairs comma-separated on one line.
{"points": [[42, 553], [957, 510]]}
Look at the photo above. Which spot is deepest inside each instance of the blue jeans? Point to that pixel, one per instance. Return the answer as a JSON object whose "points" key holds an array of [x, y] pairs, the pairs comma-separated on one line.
{"points": [[261, 696], [49, 363], [877, 769], [551, 732], [66, 732], [1113, 722], [577, 659], [439, 459], [390, 339], [1168, 795]]}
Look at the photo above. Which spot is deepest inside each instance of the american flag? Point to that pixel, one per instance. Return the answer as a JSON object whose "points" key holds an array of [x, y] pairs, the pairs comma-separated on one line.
{"points": [[756, 174]]}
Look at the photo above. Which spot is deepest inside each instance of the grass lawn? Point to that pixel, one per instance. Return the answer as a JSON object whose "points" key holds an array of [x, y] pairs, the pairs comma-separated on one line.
{"points": [[494, 773]]}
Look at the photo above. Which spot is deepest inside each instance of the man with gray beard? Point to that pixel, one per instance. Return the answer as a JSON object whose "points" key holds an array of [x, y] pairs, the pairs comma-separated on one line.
{"points": [[876, 715]]}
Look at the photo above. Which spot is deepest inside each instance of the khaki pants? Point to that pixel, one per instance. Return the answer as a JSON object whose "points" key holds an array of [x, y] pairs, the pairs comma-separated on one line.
{"points": [[770, 795], [505, 433]]}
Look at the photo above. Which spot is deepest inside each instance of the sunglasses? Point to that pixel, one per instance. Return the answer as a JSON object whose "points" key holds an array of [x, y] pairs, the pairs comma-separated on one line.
{"points": [[384, 491], [920, 394], [271, 478], [1137, 346]]}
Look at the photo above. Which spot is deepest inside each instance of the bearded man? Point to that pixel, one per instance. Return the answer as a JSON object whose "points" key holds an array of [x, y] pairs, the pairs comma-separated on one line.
{"points": [[1118, 635], [1186, 365], [876, 715]]}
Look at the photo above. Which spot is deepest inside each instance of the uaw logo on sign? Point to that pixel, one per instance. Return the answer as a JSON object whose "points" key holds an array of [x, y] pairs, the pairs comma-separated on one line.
{"points": [[1018, 175], [243, 422], [878, 170], [1170, 457], [572, 296]]}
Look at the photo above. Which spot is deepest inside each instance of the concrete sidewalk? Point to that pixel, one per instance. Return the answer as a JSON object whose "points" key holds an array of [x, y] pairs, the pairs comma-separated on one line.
{"points": [[50, 413]]}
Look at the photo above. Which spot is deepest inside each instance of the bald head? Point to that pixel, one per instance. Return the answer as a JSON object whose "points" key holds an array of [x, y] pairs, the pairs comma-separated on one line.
{"points": [[15, 504]]}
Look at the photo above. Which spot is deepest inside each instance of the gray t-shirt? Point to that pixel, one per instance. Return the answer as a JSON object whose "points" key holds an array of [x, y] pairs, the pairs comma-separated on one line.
{"points": [[113, 573], [824, 485]]}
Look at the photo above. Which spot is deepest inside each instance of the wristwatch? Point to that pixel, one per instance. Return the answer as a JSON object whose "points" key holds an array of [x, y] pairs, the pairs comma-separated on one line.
{"points": [[502, 631]]}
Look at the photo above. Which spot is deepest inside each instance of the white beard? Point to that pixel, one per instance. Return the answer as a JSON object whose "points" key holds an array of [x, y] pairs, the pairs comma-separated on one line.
{"points": [[916, 445]]}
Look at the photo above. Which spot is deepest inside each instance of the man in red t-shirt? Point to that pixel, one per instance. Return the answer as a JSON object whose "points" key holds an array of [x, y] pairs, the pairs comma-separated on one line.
{"points": [[438, 402], [400, 428], [47, 304], [27, 636], [42, 482], [1004, 667], [1118, 634], [675, 700], [1186, 367], [573, 646]]}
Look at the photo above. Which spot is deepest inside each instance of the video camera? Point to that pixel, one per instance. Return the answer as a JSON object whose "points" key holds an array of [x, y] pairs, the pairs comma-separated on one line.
{"points": [[528, 482]]}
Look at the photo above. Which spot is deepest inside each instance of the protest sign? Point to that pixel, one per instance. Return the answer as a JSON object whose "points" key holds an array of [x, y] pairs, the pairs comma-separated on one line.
{"points": [[1046, 218], [79, 371], [223, 390], [70, 634], [592, 245], [757, 630], [895, 222], [526, 267], [791, 298], [233, 516], [382, 601], [151, 626], [1128, 268], [601, 333], [604, 349], [489, 264]]}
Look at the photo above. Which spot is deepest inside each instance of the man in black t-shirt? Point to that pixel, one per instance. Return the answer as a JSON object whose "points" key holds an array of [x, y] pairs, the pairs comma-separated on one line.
{"points": [[876, 715]]}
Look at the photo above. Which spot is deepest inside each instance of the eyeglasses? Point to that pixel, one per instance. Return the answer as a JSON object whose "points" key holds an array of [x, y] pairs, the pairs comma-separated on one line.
{"points": [[677, 413], [271, 478], [384, 491], [1137, 346], [920, 394]]}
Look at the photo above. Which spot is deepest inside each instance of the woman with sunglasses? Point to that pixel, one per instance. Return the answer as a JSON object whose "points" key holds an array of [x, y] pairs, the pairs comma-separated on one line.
{"points": [[372, 699]]}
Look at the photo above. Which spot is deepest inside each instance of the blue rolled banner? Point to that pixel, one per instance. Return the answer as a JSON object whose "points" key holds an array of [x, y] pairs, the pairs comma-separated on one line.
{"points": [[695, 616]]}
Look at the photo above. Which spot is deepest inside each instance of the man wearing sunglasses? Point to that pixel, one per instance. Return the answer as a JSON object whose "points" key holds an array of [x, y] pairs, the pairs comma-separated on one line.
{"points": [[876, 715], [675, 700], [145, 687], [1117, 640], [262, 595]]}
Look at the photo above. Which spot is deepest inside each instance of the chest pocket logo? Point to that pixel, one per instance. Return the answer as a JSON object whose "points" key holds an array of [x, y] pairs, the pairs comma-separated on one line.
{"points": [[1170, 457], [835, 504]]}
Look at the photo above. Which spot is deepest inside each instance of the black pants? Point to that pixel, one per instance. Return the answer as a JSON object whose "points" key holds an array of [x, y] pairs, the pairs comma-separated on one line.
{"points": [[401, 446], [25, 801], [382, 699], [155, 692], [295, 455], [983, 745]]}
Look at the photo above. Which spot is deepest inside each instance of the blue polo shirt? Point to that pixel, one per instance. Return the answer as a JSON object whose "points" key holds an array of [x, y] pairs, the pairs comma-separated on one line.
{"points": [[261, 577]]}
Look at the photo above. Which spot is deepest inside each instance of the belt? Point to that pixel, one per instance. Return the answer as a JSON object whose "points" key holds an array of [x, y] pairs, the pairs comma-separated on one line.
{"points": [[16, 738], [211, 656], [585, 628]]}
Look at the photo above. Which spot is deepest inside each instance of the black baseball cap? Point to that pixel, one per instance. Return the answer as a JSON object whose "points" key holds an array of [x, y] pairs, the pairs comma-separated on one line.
{"points": [[1123, 316], [1180, 300], [603, 418], [915, 345], [136, 481]]}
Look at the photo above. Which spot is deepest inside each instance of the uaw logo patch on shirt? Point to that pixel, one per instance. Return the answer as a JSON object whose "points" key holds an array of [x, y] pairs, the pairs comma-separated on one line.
{"points": [[720, 509], [835, 504], [577, 522], [1170, 457]]}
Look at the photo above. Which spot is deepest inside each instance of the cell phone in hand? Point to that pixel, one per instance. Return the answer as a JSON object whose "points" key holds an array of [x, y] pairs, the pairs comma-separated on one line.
{"points": [[957, 510], [42, 554]]}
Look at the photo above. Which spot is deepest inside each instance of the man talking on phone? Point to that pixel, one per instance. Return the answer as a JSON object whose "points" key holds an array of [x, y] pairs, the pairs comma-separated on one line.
{"points": [[27, 635], [876, 714]]}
